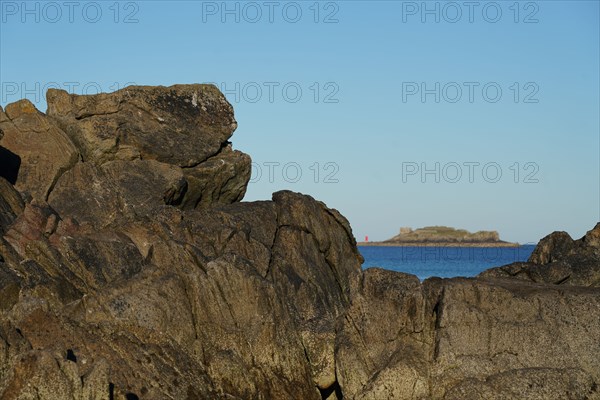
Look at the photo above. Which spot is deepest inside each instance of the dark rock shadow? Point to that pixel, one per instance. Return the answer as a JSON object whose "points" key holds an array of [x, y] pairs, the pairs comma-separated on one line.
{"points": [[9, 165]]}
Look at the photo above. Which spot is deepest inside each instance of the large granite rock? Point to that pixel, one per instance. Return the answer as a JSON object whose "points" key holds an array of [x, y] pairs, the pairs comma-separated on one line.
{"points": [[133, 271]]}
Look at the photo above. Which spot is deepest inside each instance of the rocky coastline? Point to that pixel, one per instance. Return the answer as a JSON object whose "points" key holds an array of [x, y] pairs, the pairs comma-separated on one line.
{"points": [[130, 268]]}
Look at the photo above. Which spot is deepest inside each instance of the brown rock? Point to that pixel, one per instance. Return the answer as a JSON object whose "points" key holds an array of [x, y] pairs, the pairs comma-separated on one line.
{"points": [[221, 179], [385, 341], [211, 291], [554, 247], [488, 328], [143, 276], [528, 383], [101, 195], [44, 150], [559, 260], [11, 204], [468, 338], [182, 125]]}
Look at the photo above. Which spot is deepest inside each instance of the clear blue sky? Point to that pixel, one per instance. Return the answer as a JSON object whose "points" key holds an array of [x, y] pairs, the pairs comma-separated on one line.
{"points": [[362, 67]]}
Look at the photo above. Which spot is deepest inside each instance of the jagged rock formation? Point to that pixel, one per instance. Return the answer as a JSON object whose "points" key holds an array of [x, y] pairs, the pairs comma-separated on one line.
{"points": [[129, 269]]}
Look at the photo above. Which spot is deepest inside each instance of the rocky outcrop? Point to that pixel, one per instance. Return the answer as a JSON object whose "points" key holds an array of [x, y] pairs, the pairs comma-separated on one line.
{"points": [[135, 272], [139, 274], [184, 127], [181, 125], [235, 301], [522, 331], [558, 259], [468, 339]]}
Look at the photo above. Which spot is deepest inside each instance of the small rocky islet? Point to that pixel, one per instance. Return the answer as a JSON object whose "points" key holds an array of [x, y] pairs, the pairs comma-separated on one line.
{"points": [[442, 236], [131, 269]]}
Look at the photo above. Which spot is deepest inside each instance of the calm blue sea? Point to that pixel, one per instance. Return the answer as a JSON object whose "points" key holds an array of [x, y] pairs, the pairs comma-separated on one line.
{"points": [[445, 262]]}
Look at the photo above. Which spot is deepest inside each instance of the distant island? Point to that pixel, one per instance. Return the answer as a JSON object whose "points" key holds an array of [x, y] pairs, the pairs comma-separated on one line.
{"points": [[443, 236]]}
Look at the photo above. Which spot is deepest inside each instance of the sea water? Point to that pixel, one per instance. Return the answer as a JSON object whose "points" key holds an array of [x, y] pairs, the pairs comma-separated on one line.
{"points": [[445, 262]]}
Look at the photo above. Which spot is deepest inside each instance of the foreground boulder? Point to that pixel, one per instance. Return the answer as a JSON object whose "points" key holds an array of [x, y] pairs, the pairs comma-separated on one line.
{"points": [[185, 304], [133, 271]]}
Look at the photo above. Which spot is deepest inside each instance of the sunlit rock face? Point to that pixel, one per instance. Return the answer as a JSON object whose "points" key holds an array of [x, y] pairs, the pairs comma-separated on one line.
{"points": [[130, 268]]}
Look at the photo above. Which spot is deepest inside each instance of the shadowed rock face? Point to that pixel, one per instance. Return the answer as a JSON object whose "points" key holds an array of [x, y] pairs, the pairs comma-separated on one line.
{"points": [[9, 165], [129, 268]]}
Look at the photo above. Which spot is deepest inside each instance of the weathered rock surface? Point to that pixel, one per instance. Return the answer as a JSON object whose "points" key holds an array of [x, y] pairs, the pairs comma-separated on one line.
{"points": [[221, 179], [560, 260], [45, 151], [117, 189], [468, 338], [11, 204], [136, 272], [186, 127], [234, 301], [181, 125]]}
